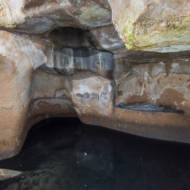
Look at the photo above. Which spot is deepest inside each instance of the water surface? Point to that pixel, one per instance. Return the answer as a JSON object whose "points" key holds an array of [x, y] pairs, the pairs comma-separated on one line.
{"points": [[64, 154]]}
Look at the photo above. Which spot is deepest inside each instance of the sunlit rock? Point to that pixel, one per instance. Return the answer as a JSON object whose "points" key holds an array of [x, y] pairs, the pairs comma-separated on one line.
{"points": [[155, 25], [8, 174]]}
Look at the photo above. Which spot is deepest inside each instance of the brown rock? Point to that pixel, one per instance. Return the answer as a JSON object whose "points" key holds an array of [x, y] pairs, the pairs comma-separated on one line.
{"points": [[7, 174], [86, 72], [155, 25], [107, 38], [41, 16]]}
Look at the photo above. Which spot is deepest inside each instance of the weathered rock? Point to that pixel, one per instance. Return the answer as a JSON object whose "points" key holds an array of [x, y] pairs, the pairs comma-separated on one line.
{"points": [[41, 80], [33, 16], [155, 25], [107, 38], [19, 57], [68, 61], [7, 174], [96, 98], [146, 25], [37, 17], [87, 73]]}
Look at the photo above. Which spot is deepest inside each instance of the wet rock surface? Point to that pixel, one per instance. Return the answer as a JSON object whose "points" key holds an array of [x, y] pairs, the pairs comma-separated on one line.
{"points": [[65, 154]]}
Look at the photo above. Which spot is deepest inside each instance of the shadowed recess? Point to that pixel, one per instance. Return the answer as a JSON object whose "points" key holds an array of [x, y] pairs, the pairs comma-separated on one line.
{"points": [[150, 108]]}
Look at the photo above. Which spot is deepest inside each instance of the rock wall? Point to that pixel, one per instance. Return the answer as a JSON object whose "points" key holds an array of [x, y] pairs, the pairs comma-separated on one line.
{"points": [[65, 59], [153, 25]]}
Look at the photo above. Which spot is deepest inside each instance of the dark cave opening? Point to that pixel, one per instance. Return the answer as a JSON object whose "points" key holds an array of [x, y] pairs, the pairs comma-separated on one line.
{"points": [[71, 38], [63, 153]]}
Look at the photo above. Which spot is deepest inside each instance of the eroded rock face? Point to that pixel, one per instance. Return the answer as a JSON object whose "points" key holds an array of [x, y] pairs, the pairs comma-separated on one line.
{"points": [[7, 174], [37, 17], [34, 16], [19, 57], [84, 71], [154, 25]]}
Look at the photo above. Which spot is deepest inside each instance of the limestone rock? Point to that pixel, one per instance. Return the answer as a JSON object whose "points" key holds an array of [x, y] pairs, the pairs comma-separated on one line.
{"points": [[68, 61], [7, 174], [19, 56], [93, 95], [81, 69], [33, 16], [107, 38], [154, 25], [37, 17]]}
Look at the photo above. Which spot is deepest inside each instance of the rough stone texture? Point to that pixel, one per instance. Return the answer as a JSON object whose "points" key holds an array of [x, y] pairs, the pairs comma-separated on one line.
{"points": [[19, 57], [7, 174], [153, 25], [34, 16], [84, 71], [154, 84], [107, 38], [96, 98], [37, 17]]}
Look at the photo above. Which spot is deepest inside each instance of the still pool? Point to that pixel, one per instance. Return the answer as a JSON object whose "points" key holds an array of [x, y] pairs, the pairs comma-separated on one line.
{"points": [[64, 154]]}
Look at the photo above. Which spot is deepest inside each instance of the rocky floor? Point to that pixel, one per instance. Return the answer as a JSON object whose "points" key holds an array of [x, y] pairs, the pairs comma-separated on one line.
{"points": [[63, 154]]}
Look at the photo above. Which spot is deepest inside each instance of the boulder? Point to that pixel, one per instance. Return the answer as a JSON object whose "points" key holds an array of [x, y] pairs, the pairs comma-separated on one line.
{"points": [[34, 16], [154, 25], [8, 174]]}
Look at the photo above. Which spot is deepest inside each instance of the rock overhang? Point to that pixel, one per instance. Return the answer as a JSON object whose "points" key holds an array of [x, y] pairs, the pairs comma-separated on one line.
{"points": [[161, 26]]}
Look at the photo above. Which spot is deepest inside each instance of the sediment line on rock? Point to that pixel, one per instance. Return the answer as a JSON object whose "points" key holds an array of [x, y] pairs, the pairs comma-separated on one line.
{"points": [[149, 108]]}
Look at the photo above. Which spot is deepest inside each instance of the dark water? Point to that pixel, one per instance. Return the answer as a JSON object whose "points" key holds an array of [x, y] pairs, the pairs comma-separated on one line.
{"points": [[63, 154]]}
